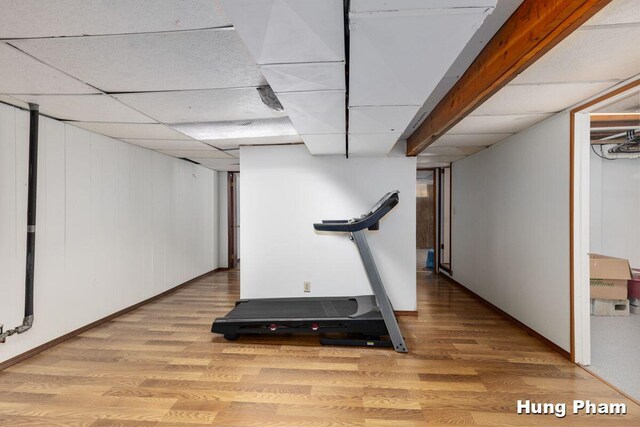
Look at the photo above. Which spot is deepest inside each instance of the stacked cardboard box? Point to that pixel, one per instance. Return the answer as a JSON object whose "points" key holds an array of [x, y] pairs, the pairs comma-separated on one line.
{"points": [[609, 285], [633, 289]]}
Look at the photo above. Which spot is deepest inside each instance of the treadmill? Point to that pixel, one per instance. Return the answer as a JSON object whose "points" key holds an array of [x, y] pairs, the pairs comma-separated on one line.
{"points": [[365, 320]]}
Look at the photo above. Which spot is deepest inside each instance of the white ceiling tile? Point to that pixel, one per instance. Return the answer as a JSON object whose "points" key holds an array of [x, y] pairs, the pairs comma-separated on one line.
{"points": [[19, 73], [205, 59], [444, 150], [392, 5], [218, 164], [90, 17], [470, 140], [425, 165], [439, 159], [131, 130], [325, 143], [586, 55], [373, 143], [305, 77], [497, 124], [315, 112], [380, 119], [503, 10], [626, 104], [434, 98], [286, 31], [395, 59], [13, 101], [86, 108], [617, 12], [250, 128], [211, 153], [201, 105], [266, 140], [542, 98], [167, 144]]}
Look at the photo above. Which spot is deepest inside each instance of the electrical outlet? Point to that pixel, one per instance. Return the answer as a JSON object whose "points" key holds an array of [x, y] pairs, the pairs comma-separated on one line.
{"points": [[307, 286]]}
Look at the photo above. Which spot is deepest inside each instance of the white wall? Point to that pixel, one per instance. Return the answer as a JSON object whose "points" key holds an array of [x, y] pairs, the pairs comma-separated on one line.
{"points": [[285, 190], [615, 208], [116, 224], [510, 237]]}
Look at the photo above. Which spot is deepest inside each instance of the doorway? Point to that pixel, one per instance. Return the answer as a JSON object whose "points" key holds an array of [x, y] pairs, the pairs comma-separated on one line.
{"points": [[426, 220], [233, 212], [444, 220], [605, 232]]}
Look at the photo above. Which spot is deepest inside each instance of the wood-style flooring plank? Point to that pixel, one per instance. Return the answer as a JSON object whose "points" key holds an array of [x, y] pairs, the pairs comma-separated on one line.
{"points": [[160, 366]]}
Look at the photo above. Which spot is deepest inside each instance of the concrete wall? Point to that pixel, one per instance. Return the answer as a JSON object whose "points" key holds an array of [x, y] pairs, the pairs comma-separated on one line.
{"points": [[116, 224], [285, 190]]}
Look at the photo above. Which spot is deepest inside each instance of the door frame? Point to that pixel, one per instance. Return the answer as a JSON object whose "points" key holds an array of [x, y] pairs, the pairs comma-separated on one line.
{"points": [[579, 163], [231, 220], [441, 171], [436, 242]]}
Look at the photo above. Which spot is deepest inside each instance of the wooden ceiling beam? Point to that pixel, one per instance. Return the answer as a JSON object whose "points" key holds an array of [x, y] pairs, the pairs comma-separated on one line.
{"points": [[615, 120], [532, 30]]}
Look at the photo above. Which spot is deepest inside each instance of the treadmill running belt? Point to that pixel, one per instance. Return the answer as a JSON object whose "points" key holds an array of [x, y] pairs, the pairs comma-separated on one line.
{"points": [[303, 308]]}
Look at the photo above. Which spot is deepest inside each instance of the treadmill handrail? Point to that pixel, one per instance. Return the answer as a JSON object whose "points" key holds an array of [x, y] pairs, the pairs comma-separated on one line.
{"points": [[368, 220]]}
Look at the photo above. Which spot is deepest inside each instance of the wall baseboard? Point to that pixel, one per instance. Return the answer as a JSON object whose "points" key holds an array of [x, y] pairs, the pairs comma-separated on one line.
{"points": [[406, 312], [29, 353], [518, 323]]}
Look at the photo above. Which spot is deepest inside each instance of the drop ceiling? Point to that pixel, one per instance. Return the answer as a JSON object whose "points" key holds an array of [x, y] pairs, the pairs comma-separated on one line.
{"points": [[183, 80], [396, 57], [592, 59]]}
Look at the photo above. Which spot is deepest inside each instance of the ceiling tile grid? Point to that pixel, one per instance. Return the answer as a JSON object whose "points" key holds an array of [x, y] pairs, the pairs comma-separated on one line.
{"points": [[399, 54], [211, 153], [299, 45], [492, 23], [200, 105], [305, 77], [86, 108], [589, 61], [211, 131], [325, 143], [202, 59], [234, 143], [132, 130], [22, 74], [68, 18], [289, 31], [128, 69], [315, 112], [167, 144]]}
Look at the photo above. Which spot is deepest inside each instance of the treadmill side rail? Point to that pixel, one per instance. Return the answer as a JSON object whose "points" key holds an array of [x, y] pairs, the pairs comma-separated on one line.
{"points": [[378, 290]]}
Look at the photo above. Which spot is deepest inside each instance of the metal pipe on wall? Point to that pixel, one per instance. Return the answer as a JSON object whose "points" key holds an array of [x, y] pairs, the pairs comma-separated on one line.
{"points": [[32, 193]]}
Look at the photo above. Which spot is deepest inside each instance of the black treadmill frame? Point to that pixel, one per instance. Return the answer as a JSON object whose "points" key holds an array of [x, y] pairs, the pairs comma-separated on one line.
{"points": [[368, 324]]}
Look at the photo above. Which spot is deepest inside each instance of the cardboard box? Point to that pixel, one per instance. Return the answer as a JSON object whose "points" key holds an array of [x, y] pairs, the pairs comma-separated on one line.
{"points": [[609, 277], [633, 286]]}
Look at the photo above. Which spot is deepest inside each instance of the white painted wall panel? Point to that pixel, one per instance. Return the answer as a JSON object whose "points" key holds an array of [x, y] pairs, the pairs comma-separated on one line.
{"points": [[116, 224], [285, 190], [615, 204], [510, 237]]}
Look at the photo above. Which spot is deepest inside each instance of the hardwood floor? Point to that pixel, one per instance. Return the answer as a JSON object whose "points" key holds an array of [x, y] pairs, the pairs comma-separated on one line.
{"points": [[160, 366]]}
